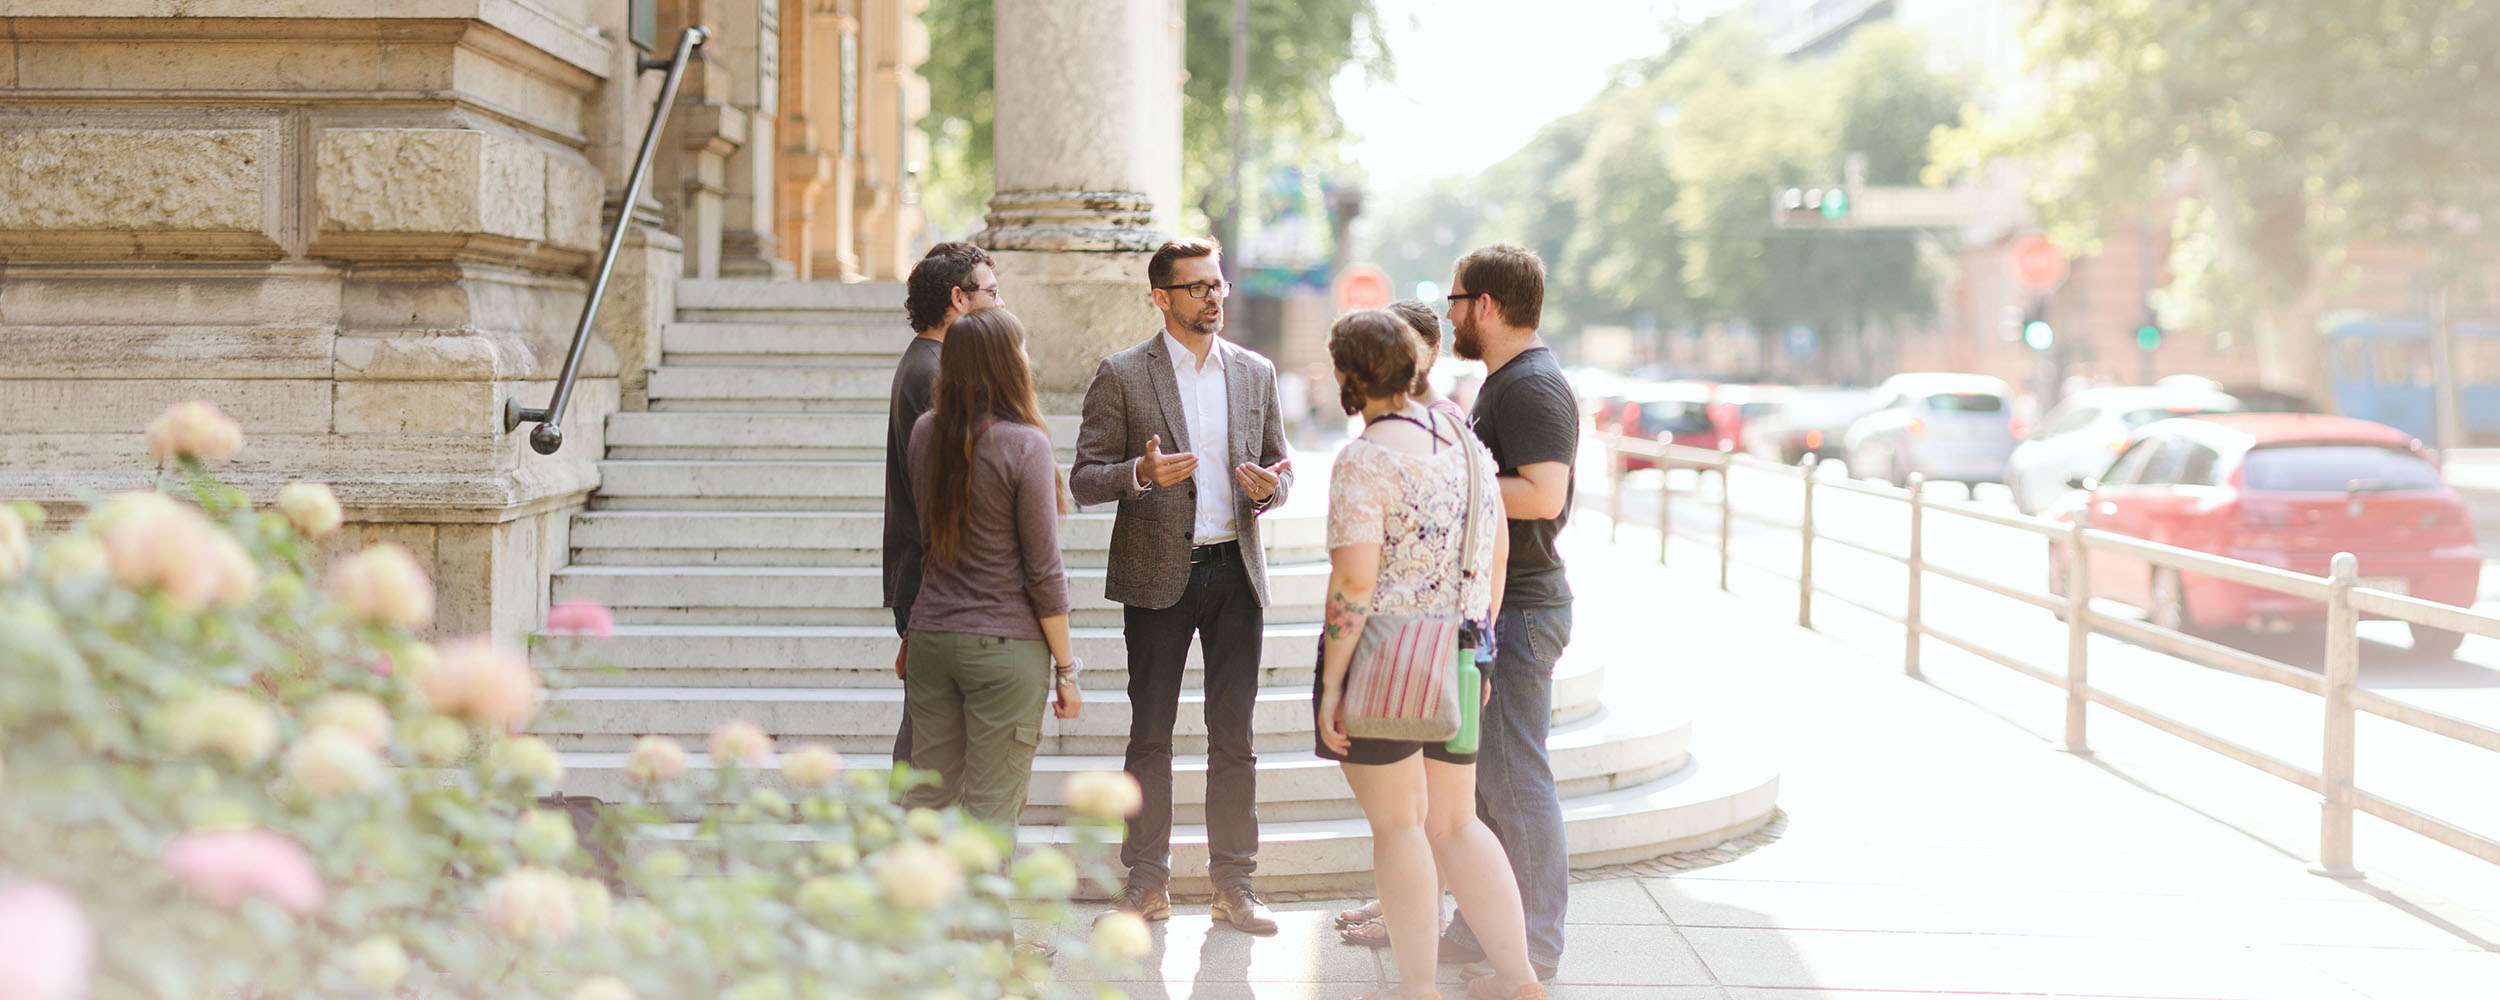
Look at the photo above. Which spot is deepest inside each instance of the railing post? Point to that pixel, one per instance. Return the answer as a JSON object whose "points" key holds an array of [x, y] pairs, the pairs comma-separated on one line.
{"points": [[2078, 632], [1805, 548], [2343, 671], [1666, 498], [1621, 466], [1910, 643], [1727, 513]]}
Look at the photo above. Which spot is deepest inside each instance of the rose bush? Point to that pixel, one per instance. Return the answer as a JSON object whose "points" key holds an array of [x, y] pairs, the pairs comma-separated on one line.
{"points": [[220, 781]]}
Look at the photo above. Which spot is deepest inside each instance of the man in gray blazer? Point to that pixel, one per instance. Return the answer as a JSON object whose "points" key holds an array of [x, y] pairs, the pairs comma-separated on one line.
{"points": [[1183, 431]]}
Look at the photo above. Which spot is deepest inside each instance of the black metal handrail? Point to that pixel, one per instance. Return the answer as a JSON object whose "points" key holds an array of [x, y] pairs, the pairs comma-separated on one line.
{"points": [[550, 434]]}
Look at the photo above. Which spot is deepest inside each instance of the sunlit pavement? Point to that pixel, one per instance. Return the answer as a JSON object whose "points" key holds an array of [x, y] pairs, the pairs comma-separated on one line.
{"points": [[1938, 841]]}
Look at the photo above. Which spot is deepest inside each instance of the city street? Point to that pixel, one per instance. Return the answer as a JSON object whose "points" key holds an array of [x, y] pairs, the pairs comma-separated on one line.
{"points": [[2444, 778]]}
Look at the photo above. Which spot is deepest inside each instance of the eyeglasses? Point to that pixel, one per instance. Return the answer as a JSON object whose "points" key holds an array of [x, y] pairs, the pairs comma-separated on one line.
{"points": [[990, 290], [1201, 289], [1462, 296]]}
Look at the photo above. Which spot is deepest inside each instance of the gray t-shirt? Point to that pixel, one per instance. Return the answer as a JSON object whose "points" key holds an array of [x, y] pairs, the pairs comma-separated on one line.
{"points": [[1526, 414], [913, 379]]}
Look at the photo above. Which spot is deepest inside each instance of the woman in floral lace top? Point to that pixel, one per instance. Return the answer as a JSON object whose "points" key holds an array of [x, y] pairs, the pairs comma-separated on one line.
{"points": [[1397, 502]]}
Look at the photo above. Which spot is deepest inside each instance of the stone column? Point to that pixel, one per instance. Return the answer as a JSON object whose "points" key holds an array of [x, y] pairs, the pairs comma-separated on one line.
{"points": [[1088, 174], [748, 46]]}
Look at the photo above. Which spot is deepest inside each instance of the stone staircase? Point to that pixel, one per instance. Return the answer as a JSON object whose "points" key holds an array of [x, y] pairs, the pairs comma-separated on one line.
{"points": [[737, 534]]}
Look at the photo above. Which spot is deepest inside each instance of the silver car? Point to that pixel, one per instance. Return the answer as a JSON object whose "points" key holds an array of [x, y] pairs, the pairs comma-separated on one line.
{"points": [[1941, 426], [2079, 437]]}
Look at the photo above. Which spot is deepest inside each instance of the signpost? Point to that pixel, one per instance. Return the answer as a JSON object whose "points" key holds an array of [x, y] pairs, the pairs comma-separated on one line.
{"points": [[2039, 266]]}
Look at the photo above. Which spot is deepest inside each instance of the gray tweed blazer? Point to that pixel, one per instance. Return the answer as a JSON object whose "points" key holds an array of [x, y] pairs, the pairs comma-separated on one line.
{"points": [[1134, 397]]}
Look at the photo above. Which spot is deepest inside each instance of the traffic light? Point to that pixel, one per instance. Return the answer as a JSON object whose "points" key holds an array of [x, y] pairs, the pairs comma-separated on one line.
{"points": [[1809, 204], [2036, 331], [2148, 335]]}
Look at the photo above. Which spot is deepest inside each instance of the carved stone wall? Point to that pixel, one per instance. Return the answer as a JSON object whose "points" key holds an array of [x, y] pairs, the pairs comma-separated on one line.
{"points": [[361, 228]]}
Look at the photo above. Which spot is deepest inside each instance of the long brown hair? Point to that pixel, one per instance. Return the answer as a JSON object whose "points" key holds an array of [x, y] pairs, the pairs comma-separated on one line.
{"points": [[982, 379]]}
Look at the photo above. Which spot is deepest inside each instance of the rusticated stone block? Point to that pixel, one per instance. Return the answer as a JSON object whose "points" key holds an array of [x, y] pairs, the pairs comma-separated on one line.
{"points": [[430, 180], [573, 201], [73, 190], [416, 407]]}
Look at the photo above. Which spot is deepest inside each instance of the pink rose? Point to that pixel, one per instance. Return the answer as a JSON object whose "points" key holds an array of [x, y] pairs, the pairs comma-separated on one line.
{"points": [[812, 766], [228, 866], [311, 508], [656, 759], [484, 681], [529, 904], [1103, 795], [579, 617], [194, 429], [51, 948], [740, 742], [384, 584], [154, 543]]}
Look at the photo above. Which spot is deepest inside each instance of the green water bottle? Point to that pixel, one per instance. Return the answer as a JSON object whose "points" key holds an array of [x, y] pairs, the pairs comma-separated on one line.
{"points": [[1470, 701]]}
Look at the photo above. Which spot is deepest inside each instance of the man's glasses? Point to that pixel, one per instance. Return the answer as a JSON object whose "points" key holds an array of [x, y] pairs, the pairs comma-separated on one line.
{"points": [[1201, 289], [990, 290], [1463, 296]]}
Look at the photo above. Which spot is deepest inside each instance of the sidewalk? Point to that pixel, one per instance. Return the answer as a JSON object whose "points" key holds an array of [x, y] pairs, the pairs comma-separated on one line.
{"points": [[1930, 849]]}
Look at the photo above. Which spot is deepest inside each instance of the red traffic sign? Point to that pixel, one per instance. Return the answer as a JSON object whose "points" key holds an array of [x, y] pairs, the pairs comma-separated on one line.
{"points": [[1363, 286], [2039, 266]]}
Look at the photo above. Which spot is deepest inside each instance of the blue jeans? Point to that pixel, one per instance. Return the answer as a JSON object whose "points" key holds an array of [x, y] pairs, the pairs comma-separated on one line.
{"points": [[1515, 779]]}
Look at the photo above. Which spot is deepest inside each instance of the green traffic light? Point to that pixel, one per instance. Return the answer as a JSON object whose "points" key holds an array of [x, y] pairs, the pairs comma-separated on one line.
{"points": [[2038, 336], [1835, 204], [2148, 337]]}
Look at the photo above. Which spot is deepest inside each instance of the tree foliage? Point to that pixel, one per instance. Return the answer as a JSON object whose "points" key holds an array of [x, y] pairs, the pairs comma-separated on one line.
{"points": [[2301, 127], [1296, 48], [1651, 203]]}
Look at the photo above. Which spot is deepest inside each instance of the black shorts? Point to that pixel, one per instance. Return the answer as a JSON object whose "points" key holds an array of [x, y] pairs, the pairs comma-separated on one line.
{"points": [[1372, 752]]}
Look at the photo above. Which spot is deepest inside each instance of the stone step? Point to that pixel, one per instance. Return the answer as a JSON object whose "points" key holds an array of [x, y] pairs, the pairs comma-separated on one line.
{"points": [[797, 345], [753, 388], [882, 300], [784, 484], [863, 720], [1598, 754], [844, 538], [846, 595], [1715, 797], [840, 656], [771, 437]]}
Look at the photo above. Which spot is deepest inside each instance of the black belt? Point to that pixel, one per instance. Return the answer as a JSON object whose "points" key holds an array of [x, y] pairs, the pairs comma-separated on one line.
{"points": [[1212, 553]]}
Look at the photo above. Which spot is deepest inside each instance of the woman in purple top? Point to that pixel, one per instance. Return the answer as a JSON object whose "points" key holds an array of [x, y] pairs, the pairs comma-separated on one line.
{"points": [[989, 628]]}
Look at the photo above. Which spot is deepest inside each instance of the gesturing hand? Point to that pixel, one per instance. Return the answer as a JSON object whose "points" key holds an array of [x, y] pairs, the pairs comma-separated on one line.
{"points": [[1165, 470], [1259, 482]]}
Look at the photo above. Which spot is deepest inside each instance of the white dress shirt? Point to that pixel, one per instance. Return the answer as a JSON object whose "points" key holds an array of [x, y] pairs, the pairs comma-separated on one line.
{"points": [[1204, 409]]}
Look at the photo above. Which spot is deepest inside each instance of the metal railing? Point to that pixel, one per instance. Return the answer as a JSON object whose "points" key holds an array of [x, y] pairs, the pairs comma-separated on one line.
{"points": [[549, 435], [2075, 543]]}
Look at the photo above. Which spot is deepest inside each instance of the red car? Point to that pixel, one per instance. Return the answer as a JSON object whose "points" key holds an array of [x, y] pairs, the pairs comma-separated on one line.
{"points": [[2284, 490], [1685, 411]]}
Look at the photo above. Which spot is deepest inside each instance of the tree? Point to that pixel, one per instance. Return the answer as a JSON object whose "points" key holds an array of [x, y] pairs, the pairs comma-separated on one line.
{"points": [[1296, 48], [1748, 127], [2303, 127]]}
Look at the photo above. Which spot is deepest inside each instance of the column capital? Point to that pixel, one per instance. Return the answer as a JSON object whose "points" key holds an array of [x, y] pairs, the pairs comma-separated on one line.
{"points": [[1099, 221]]}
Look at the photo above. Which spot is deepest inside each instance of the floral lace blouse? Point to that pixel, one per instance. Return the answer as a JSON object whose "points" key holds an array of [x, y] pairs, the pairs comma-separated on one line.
{"points": [[1411, 505]]}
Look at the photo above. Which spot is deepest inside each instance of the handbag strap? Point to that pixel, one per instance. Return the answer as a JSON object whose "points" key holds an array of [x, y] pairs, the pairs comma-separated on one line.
{"points": [[1467, 519]]}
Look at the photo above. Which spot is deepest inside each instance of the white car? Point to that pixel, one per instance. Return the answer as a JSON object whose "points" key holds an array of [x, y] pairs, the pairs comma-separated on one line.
{"points": [[2079, 436], [1942, 426]]}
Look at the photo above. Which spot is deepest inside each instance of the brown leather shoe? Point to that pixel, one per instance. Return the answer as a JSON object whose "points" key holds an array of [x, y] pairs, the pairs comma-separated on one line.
{"points": [[1151, 904], [1238, 906]]}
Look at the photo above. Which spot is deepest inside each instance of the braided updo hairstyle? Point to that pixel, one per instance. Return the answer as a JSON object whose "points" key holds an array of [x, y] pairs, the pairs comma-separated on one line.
{"points": [[1375, 356]]}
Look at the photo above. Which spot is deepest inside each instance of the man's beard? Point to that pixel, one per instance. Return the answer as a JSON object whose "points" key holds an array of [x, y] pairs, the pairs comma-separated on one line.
{"points": [[1189, 320], [1467, 340]]}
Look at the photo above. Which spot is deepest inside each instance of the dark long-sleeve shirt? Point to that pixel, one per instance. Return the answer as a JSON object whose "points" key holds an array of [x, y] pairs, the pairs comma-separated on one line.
{"points": [[913, 379], [1006, 575]]}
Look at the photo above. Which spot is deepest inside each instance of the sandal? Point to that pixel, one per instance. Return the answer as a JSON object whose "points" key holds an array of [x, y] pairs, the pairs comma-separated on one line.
{"points": [[1373, 933], [1357, 915]]}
